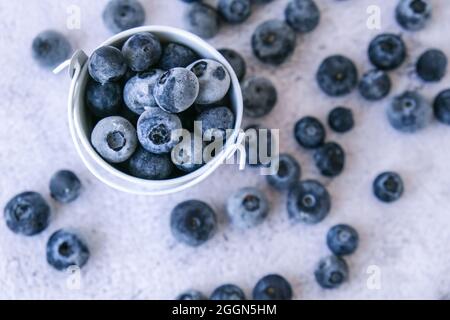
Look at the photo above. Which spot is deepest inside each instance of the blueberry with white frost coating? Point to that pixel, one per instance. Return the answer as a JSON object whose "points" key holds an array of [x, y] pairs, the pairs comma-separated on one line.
{"points": [[374, 85], [142, 51], [176, 90], [107, 64], [216, 121], [150, 166], [138, 91], [188, 155], [247, 208], [214, 80], [155, 130], [115, 139]]}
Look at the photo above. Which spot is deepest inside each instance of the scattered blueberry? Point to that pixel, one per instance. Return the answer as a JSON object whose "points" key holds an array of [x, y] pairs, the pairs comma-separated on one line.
{"points": [[188, 155], [150, 166], [409, 112], [260, 96], [273, 42], [302, 15], [388, 187], [413, 15], [387, 51], [235, 11], [142, 51], [115, 139], [193, 222], [375, 85], [50, 48], [309, 132], [331, 272], [442, 106], [236, 61], [342, 239], [330, 159], [288, 173], [308, 202], [176, 56], [65, 186], [121, 15], [104, 100], [192, 295], [272, 287], [432, 65], [337, 76], [203, 20], [27, 214], [138, 91], [228, 292], [66, 249], [216, 122], [247, 208], [107, 64], [341, 119]]}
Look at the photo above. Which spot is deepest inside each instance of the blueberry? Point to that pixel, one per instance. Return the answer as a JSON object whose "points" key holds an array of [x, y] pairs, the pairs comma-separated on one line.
{"points": [[260, 97], [104, 100], [342, 239], [65, 249], [142, 51], [213, 78], [192, 295], [375, 85], [27, 214], [176, 90], [388, 186], [150, 166], [50, 48], [302, 15], [247, 208], [413, 15], [261, 1], [258, 146], [138, 91], [272, 287], [228, 292], [156, 130], [442, 106], [387, 51], [409, 112], [308, 202], [193, 222], [341, 120], [120, 15], [107, 64], [235, 11], [337, 76], [65, 186], [330, 159], [273, 42], [216, 122], [309, 132], [188, 155], [287, 175], [176, 56], [236, 61], [203, 20], [331, 272], [432, 65], [115, 139]]}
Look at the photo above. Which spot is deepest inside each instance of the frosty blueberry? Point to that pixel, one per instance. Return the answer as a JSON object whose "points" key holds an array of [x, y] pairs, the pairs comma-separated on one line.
{"points": [[65, 186], [188, 155], [175, 55], [216, 121], [138, 91], [120, 15], [150, 166], [248, 207], [413, 15], [50, 48], [107, 64], [142, 51], [104, 100], [65, 249], [375, 85]]}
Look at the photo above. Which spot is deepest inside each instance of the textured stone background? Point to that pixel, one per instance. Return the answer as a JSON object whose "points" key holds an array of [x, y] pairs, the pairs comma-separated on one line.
{"points": [[133, 253]]}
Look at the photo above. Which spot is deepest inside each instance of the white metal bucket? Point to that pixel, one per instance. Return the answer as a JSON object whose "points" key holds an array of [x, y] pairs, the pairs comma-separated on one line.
{"points": [[81, 125]]}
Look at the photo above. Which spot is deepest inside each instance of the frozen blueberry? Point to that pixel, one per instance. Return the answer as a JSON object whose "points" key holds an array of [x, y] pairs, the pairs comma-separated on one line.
{"points": [[308, 202], [273, 42], [236, 61], [272, 287], [192, 295], [65, 186], [150, 166], [27, 214], [156, 130], [302, 15], [375, 85], [432, 65], [104, 100], [247, 208], [107, 64], [337, 76], [142, 51], [120, 15], [235, 11], [258, 146], [388, 186], [203, 20], [442, 106], [387, 51], [50, 48], [330, 159], [193, 222], [288, 173], [176, 90], [138, 91], [309, 132], [228, 292], [65, 249], [409, 112], [413, 15], [260, 97], [331, 272], [216, 122], [341, 120], [115, 139], [188, 155], [213, 78], [176, 56], [342, 239]]}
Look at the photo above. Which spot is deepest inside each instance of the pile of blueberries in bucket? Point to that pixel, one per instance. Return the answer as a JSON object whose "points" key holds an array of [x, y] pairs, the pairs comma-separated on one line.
{"points": [[194, 222]]}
